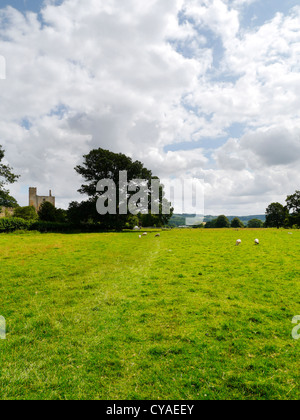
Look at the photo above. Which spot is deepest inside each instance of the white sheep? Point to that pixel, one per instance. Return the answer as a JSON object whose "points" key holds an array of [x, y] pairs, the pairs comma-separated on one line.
{"points": [[238, 242], [140, 236], [256, 241], [145, 234]]}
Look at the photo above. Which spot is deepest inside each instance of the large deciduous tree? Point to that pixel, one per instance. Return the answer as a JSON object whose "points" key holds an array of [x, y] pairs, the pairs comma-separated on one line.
{"points": [[100, 165], [6, 177], [222, 222], [48, 213], [293, 206], [237, 223], [293, 202], [276, 215]]}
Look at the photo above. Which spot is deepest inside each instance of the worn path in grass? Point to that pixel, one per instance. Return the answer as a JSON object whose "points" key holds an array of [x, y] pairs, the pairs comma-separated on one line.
{"points": [[184, 316]]}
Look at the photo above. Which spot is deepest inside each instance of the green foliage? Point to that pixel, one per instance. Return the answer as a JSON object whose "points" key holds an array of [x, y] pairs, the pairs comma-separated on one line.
{"points": [[61, 216], [293, 206], [48, 213], [57, 227], [12, 224], [188, 316], [237, 223], [211, 224], [6, 200], [276, 215], [255, 223], [102, 164], [199, 226], [177, 220], [82, 212], [26, 213], [6, 177], [152, 220], [293, 202], [218, 223], [222, 222], [132, 221]]}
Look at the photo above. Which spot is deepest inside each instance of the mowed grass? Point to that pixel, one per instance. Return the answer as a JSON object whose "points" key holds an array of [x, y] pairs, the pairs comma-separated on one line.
{"points": [[185, 316]]}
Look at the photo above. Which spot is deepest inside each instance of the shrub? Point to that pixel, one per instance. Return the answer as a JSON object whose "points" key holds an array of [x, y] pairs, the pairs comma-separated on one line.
{"points": [[26, 213], [12, 224], [54, 227], [222, 222], [255, 223], [237, 223]]}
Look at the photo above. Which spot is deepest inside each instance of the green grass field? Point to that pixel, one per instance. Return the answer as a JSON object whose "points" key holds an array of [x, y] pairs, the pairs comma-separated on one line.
{"points": [[185, 316]]}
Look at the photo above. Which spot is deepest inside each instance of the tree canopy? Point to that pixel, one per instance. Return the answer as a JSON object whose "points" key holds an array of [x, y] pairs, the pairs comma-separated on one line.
{"points": [[255, 223], [6, 177], [222, 222], [293, 206], [293, 202], [26, 213], [237, 223], [276, 214], [101, 164], [48, 213]]}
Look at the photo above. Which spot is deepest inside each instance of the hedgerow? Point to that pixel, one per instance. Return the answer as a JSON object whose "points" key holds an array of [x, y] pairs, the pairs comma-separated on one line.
{"points": [[12, 224]]}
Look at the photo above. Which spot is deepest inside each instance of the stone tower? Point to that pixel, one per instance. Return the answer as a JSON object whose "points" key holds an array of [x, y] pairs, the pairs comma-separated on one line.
{"points": [[37, 200]]}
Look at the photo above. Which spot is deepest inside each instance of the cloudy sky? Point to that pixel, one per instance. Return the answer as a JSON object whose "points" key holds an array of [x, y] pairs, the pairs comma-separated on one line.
{"points": [[193, 88]]}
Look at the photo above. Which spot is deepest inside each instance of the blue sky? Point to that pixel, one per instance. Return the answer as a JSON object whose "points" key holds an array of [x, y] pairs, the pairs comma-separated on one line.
{"points": [[257, 13], [24, 5], [193, 88]]}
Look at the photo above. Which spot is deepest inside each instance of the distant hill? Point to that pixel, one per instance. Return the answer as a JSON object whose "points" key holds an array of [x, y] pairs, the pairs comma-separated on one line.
{"points": [[179, 219]]}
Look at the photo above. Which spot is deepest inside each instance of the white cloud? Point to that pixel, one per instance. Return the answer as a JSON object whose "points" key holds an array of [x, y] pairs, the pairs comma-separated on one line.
{"points": [[214, 15], [135, 77]]}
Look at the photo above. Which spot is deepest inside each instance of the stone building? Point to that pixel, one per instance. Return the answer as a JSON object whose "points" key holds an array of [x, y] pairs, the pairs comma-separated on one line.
{"points": [[37, 200], [6, 212]]}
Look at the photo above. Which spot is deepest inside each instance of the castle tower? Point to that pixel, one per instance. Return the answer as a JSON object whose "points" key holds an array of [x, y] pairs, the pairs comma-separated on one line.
{"points": [[36, 200], [33, 197]]}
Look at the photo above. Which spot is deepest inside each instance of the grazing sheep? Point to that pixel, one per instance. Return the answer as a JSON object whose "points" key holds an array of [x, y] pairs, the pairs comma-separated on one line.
{"points": [[157, 236], [256, 241], [140, 236], [238, 242], [145, 234]]}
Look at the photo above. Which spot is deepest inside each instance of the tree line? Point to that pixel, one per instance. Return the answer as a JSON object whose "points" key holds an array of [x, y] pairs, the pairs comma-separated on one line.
{"points": [[103, 164], [223, 222], [277, 216], [97, 165]]}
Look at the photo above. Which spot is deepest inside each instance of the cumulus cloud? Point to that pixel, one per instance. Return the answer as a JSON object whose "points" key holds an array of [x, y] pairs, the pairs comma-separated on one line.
{"points": [[260, 149], [135, 77]]}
